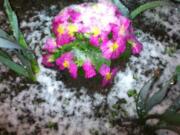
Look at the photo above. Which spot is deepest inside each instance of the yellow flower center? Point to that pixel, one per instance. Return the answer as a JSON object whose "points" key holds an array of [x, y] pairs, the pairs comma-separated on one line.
{"points": [[108, 76], [72, 29], [113, 47], [50, 59], [60, 29], [122, 30], [96, 31], [66, 64]]}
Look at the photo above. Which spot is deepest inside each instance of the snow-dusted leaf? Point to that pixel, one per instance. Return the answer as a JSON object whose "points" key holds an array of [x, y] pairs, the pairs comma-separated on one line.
{"points": [[3, 34], [142, 97], [7, 44], [158, 96]]}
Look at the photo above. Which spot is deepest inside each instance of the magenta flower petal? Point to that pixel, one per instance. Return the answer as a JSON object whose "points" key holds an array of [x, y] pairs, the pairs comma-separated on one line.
{"points": [[94, 40], [105, 50], [64, 60], [112, 50], [136, 45], [46, 60], [60, 18], [89, 69], [120, 49], [107, 74], [121, 30], [104, 69], [74, 15], [50, 45], [64, 39], [73, 69]]}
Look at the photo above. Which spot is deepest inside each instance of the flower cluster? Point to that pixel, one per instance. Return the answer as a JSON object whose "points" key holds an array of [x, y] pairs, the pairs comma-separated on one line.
{"points": [[87, 36]]}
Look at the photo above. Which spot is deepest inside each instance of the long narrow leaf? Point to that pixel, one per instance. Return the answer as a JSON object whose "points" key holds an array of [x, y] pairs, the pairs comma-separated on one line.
{"points": [[27, 65], [13, 66], [149, 5], [4, 54], [12, 19], [6, 44], [22, 41], [142, 97], [158, 96], [3, 34], [178, 74]]}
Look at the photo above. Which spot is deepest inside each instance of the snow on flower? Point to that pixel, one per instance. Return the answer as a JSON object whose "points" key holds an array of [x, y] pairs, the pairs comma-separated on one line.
{"points": [[89, 37], [50, 45]]}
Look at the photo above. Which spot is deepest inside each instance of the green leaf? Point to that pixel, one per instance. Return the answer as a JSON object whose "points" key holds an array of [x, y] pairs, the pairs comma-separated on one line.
{"points": [[158, 96], [13, 66], [171, 118], [4, 54], [124, 10], [7, 44], [148, 5], [27, 65], [22, 41], [12, 19], [178, 74], [3, 34], [132, 93], [142, 97], [92, 54]]}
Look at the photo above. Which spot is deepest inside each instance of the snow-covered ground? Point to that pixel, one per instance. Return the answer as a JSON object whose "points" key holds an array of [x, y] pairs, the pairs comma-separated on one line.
{"points": [[51, 108]]}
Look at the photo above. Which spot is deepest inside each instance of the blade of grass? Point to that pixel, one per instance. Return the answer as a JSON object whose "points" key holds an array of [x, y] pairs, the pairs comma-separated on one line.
{"points": [[146, 6]]}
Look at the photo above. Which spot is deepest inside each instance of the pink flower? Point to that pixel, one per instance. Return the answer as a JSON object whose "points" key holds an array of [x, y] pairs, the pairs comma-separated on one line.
{"points": [[73, 14], [112, 50], [66, 62], [50, 45], [47, 60], [136, 45], [64, 39], [107, 74], [94, 40], [60, 18], [121, 30], [89, 69]]}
